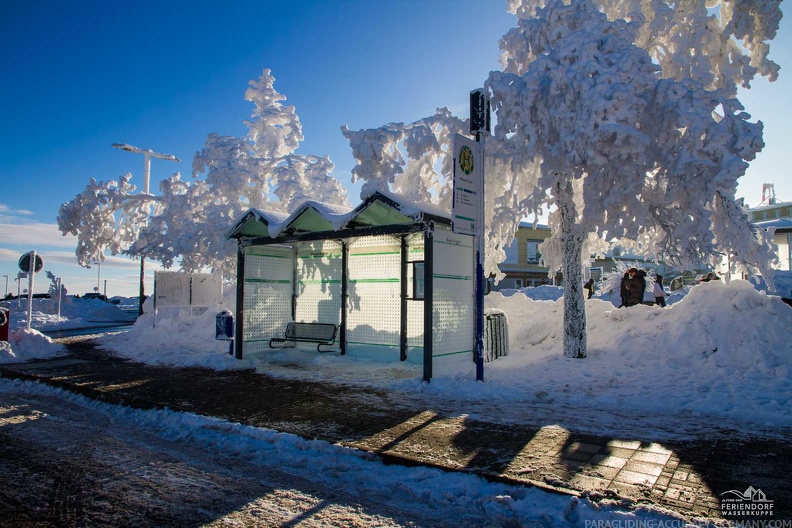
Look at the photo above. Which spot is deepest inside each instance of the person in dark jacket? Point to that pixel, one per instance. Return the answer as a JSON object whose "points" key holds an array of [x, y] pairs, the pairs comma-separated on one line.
{"points": [[590, 288], [636, 286]]}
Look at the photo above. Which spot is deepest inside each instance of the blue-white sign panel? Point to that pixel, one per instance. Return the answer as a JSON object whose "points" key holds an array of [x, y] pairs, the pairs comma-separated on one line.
{"points": [[468, 172]]}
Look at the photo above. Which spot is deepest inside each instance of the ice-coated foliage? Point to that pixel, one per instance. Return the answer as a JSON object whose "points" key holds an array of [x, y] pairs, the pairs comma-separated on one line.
{"points": [[428, 177], [620, 119], [722, 44], [620, 151], [53, 286], [189, 220], [106, 216]]}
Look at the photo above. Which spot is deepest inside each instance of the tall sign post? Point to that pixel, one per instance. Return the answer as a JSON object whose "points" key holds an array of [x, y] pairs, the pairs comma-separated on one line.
{"points": [[30, 263], [468, 210]]}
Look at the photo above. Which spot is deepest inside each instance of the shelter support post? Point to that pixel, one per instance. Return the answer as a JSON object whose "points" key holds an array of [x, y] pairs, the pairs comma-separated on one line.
{"points": [[428, 308], [403, 298], [295, 282], [240, 303], [342, 336]]}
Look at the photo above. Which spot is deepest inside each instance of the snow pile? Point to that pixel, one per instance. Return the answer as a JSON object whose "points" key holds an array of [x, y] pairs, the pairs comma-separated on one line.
{"points": [[74, 313], [544, 292], [722, 350], [25, 345], [175, 337]]}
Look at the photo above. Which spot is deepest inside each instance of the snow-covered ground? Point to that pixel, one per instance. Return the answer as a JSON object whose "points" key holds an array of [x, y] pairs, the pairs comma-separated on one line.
{"points": [[198, 456], [719, 355], [24, 345]]}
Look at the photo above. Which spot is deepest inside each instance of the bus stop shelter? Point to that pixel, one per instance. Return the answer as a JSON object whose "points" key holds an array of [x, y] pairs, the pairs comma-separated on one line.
{"points": [[390, 274]]}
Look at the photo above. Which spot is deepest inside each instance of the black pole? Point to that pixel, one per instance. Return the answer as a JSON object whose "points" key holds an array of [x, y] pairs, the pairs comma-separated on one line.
{"points": [[344, 295], [428, 296], [240, 303], [403, 315], [142, 286]]}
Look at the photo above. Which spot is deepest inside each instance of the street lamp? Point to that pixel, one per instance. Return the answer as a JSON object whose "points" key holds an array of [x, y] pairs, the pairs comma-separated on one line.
{"points": [[147, 155], [98, 274], [6, 278]]}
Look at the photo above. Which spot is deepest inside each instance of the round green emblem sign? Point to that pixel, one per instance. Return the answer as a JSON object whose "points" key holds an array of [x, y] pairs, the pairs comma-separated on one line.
{"points": [[466, 159]]}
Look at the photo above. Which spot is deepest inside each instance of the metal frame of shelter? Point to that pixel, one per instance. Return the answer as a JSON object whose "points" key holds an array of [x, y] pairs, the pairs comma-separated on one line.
{"points": [[362, 271]]}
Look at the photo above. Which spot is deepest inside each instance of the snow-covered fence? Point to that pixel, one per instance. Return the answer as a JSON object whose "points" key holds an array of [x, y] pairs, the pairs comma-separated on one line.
{"points": [[195, 291]]}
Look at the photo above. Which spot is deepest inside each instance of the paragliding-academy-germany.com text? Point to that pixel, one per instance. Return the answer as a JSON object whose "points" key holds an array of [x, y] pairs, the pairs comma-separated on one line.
{"points": [[678, 523]]}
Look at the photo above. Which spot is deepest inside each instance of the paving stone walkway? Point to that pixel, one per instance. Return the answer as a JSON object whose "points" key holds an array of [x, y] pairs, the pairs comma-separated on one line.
{"points": [[688, 478]]}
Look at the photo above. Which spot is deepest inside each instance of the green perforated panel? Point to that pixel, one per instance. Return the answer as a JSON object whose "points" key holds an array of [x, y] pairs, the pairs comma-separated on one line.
{"points": [[374, 291], [267, 295], [453, 303], [319, 272]]}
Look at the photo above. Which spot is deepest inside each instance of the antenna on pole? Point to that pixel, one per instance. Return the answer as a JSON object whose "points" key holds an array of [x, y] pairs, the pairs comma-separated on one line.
{"points": [[768, 194]]}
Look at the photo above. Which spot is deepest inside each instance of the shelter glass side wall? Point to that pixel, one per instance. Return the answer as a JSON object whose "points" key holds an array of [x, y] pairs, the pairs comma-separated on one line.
{"points": [[453, 306], [374, 279], [319, 272], [415, 308], [267, 303]]}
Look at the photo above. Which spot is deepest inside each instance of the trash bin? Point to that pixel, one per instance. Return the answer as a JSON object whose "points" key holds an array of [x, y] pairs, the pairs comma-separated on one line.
{"points": [[5, 320], [496, 335], [224, 329]]}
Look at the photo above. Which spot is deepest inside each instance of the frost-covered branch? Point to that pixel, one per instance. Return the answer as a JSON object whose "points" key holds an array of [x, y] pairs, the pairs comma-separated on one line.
{"points": [[722, 44], [414, 160], [190, 218], [106, 217]]}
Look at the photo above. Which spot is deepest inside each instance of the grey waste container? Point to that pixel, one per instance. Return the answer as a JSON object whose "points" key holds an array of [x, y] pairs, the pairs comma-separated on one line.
{"points": [[496, 335]]}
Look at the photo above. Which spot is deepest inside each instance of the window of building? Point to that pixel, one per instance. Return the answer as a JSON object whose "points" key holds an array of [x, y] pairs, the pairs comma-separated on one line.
{"points": [[511, 252], [518, 283], [532, 251], [418, 280]]}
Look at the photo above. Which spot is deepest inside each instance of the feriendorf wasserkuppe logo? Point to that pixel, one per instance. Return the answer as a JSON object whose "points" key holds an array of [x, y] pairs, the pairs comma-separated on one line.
{"points": [[749, 503]]}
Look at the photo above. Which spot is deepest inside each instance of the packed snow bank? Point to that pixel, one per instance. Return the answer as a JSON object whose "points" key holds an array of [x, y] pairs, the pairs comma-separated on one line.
{"points": [[25, 345], [722, 350], [175, 337], [74, 313]]}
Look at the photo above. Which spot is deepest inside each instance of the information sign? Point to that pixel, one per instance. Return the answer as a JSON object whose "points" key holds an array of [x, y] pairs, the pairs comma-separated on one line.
{"points": [[468, 173]]}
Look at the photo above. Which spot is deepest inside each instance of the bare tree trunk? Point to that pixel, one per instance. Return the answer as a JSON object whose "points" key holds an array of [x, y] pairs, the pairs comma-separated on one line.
{"points": [[574, 300]]}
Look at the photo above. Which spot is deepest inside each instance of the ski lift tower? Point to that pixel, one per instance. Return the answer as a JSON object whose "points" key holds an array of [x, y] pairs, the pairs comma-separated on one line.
{"points": [[147, 155]]}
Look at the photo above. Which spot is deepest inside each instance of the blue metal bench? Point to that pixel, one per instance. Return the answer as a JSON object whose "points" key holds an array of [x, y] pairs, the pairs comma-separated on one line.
{"points": [[323, 334]]}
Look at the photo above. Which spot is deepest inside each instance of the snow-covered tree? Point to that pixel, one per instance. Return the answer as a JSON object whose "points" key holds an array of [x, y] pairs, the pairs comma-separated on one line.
{"points": [[240, 173], [189, 220], [381, 160], [53, 286], [722, 44], [619, 151], [627, 129], [106, 217]]}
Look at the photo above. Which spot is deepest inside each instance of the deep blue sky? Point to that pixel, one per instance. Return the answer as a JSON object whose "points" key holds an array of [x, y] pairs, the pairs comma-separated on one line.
{"points": [[79, 76]]}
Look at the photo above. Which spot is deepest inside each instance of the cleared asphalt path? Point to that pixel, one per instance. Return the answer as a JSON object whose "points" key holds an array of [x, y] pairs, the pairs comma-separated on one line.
{"points": [[687, 477]]}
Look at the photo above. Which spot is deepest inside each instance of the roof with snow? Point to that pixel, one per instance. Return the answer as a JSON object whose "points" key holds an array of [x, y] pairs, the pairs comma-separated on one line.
{"points": [[378, 210], [780, 224], [770, 206]]}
